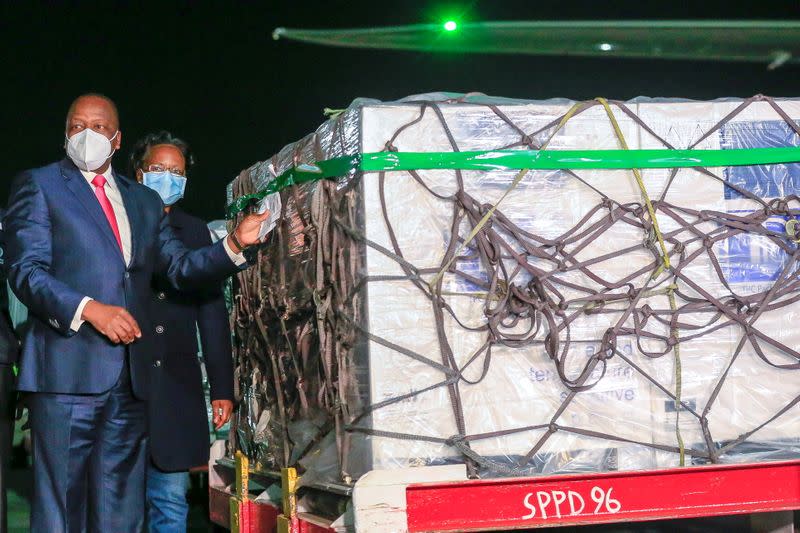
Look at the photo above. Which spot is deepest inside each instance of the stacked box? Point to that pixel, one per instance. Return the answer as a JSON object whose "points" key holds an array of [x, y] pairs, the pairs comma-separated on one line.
{"points": [[380, 293]]}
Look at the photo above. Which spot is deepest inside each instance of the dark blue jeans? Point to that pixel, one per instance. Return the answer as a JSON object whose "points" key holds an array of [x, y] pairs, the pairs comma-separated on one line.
{"points": [[167, 507]]}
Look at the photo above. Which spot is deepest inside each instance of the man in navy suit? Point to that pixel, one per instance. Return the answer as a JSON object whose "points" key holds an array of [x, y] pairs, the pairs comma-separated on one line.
{"points": [[177, 419], [83, 244]]}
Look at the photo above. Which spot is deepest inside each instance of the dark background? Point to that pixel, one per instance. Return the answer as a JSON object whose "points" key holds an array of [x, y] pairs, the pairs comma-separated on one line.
{"points": [[211, 73]]}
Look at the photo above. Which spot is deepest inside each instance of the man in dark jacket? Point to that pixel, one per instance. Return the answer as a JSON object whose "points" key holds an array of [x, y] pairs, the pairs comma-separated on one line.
{"points": [[178, 424], [83, 243], [9, 351]]}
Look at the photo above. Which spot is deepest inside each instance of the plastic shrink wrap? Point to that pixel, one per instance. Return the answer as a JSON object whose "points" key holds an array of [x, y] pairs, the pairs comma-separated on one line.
{"points": [[380, 330]]}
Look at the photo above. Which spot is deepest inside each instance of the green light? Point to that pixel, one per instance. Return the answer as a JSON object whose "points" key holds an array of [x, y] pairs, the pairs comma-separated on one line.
{"points": [[450, 25]]}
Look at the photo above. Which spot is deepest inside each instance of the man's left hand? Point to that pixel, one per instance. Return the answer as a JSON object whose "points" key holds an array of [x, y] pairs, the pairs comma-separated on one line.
{"points": [[222, 410]]}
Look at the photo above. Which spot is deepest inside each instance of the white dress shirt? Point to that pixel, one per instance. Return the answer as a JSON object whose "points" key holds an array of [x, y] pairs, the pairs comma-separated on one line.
{"points": [[115, 197]]}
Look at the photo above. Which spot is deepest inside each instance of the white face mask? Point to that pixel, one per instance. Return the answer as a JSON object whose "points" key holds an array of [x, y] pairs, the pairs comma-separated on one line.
{"points": [[89, 150]]}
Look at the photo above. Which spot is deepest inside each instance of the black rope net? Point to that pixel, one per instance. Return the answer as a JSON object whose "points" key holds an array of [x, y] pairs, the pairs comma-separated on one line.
{"points": [[525, 322]]}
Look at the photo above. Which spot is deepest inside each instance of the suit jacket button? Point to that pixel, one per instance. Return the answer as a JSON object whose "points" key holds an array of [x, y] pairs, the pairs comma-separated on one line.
{"points": [[159, 329], [127, 275], [161, 295], [157, 363]]}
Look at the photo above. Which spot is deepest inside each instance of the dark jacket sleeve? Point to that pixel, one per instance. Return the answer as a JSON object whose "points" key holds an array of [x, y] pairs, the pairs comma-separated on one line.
{"points": [[215, 340], [9, 345]]}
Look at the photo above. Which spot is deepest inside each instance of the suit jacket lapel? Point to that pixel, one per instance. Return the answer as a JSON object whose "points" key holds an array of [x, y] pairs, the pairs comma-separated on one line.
{"points": [[84, 193], [176, 221], [132, 209]]}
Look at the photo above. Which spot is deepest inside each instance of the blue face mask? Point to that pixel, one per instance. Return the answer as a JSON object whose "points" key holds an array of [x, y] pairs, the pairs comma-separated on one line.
{"points": [[169, 186]]}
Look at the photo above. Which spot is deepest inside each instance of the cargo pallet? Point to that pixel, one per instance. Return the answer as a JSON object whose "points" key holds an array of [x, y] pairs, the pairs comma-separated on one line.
{"points": [[441, 498]]}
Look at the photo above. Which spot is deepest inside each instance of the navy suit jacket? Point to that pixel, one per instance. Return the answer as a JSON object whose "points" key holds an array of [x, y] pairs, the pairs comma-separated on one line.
{"points": [[60, 248], [178, 422]]}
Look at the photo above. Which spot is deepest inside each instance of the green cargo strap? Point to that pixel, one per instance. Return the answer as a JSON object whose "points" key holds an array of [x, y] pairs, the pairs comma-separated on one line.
{"points": [[301, 173], [487, 160]]}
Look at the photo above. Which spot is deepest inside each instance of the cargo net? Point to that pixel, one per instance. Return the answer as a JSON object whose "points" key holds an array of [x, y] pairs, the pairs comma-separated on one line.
{"points": [[629, 329]]}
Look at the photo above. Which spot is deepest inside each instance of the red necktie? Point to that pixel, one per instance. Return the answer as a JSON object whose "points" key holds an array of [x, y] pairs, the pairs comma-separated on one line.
{"points": [[99, 183]]}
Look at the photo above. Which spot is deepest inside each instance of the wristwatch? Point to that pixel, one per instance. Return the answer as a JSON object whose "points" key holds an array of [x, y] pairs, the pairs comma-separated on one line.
{"points": [[236, 241]]}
